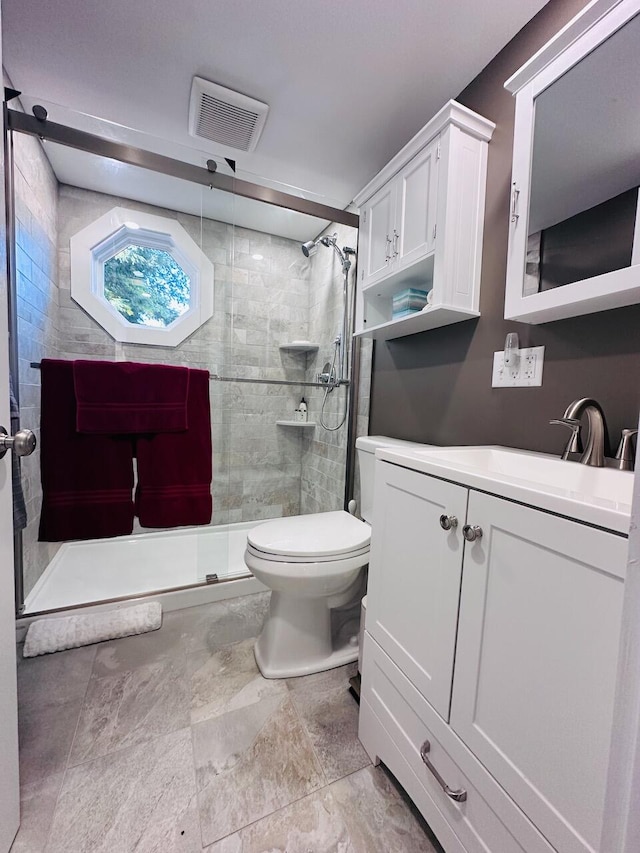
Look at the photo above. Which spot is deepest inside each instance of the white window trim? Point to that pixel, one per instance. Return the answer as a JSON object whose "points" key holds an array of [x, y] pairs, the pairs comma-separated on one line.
{"points": [[120, 227]]}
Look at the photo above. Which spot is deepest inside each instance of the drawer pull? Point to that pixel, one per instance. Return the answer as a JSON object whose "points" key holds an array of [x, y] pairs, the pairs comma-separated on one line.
{"points": [[448, 522], [460, 795]]}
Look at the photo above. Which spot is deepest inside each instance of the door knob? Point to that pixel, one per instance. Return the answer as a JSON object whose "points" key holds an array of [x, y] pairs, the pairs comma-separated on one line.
{"points": [[448, 522], [472, 532], [23, 443]]}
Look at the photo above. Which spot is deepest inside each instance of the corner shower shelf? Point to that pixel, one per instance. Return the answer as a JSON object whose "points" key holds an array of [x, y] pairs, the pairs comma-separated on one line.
{"points": [[296, 423], [300, 346]]}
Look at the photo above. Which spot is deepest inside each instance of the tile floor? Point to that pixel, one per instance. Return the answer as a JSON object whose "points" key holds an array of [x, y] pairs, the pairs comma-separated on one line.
{"points": [[173, 741]]}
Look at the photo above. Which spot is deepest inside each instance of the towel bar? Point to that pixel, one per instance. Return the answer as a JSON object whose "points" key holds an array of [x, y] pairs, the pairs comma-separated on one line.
{"points": [[213, 377]]}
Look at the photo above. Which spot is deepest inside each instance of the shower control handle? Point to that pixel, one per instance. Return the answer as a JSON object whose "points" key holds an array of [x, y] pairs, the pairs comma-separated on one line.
{"points": [[23, 443], [448, 522]]}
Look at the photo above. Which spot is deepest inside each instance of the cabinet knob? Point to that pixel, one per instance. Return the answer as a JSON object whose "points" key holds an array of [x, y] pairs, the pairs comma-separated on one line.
{"points": [[472, 532], [448, 522]]}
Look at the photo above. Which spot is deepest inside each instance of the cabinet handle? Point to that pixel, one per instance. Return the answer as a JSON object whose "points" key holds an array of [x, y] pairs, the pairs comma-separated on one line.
{"points": [[471, 532], [448, 522], [460, 795], [396, 236], [515, 196], [387, 255]]}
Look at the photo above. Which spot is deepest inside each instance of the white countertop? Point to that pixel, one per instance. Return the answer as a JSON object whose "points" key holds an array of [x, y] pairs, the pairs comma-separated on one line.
{"points": [[598, 496]]}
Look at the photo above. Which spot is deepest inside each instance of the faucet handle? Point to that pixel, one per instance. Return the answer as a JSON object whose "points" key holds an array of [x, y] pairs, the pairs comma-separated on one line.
{"points": [[626, 452], [574, 445]]}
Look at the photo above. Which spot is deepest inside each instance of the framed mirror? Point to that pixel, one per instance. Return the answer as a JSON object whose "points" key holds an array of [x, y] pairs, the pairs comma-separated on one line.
{"points": [[574, 241]]}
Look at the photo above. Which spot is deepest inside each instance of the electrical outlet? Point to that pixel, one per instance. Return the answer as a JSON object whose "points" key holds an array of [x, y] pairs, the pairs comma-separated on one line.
{"points": [[526, 373]]}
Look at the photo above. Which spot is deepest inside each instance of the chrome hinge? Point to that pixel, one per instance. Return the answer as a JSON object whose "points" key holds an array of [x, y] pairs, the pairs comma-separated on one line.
{"points": [[362, 274], [364, 217], [434, 231], [438, 151]]}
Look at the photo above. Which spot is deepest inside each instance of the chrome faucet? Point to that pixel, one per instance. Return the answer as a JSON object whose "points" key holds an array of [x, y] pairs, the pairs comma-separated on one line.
{"points": [[593, 453]]}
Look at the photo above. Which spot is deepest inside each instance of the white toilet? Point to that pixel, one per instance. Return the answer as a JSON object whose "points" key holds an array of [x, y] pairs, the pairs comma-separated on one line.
{"points": [[314, 565]]}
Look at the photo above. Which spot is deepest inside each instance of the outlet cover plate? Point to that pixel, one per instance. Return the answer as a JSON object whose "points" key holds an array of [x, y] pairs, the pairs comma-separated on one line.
{"points": [[527, 373]]}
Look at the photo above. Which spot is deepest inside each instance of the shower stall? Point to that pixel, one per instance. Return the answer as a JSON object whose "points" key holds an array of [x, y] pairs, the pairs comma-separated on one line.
{"points": [[276, 327]]}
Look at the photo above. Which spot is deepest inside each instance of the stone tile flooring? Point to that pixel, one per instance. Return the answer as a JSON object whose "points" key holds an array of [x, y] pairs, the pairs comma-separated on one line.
{"points": [[172, 742]]}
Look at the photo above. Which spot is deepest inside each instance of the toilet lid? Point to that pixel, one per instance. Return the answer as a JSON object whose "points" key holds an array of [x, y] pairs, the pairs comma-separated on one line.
{"points": [[318, 535]]}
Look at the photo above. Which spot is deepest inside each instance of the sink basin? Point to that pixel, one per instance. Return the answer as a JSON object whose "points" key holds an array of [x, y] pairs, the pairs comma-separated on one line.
{"points": [[605, 483], [600, 496]]}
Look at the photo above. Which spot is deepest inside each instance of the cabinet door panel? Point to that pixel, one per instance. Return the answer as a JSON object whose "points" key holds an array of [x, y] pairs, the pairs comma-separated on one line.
{"points": [[417, 201], [379, 214], [414, 577], [536, 662]]}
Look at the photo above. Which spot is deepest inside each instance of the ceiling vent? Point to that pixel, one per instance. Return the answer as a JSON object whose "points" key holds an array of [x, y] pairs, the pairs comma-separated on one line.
{"points": [[224, 116]]}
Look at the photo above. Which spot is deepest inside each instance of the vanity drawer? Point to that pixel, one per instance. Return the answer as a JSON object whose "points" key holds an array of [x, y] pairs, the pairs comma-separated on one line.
{"points": [[395, 723]]}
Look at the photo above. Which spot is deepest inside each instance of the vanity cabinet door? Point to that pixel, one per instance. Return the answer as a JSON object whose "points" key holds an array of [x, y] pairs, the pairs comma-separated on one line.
{"points": [[415, 230], [414, 577], [536, 661], [378, 216]]}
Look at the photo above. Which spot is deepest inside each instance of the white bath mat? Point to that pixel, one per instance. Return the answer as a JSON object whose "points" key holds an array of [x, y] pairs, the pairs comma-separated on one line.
{"points": [[68, 632]]}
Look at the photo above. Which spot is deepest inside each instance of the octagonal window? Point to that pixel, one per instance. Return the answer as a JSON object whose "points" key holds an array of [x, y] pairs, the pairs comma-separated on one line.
{"points": [[141, 277], [146, 286]]}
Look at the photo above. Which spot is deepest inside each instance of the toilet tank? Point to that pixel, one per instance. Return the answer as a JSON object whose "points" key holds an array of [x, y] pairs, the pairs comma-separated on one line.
{"points": [[366, 448]]}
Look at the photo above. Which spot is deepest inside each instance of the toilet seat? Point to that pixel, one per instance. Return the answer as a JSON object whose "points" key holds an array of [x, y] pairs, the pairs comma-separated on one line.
{"points": [[306, 559], [316, 538]]}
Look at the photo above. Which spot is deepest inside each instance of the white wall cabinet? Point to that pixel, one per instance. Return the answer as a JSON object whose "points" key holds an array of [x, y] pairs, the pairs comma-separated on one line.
{"points": [[421, 225], [399, 221], [582, 85], [535, 645]]}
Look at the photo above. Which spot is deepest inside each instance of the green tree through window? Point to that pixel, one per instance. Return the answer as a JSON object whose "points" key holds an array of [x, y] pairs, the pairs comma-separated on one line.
{"points": [[147, 286]]}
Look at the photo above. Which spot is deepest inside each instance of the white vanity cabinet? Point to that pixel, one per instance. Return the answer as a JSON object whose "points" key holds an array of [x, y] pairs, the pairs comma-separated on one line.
{"points": [[414, 620], [501, 653], [421, 226]]}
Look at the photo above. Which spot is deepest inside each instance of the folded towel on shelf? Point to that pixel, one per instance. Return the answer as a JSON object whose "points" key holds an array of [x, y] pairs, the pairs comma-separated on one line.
{"points": [[119, 397], [87, 480], [175, 469]]}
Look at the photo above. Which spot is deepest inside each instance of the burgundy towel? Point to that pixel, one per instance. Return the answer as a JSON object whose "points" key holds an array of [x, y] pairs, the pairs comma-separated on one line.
{"points": [[174, 469], [87, 480], [124, 397]]}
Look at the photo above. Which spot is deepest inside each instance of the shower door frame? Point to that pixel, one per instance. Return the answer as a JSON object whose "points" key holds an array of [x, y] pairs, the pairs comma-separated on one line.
{"points": [[46, 130]]}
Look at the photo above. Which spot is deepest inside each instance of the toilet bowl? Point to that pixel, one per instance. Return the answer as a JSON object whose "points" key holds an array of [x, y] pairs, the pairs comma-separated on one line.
{"points": [[315, 567], [313, 564]]}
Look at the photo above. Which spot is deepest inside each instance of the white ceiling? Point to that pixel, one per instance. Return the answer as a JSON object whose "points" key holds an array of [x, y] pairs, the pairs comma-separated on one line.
{"points": [[348, 83]]}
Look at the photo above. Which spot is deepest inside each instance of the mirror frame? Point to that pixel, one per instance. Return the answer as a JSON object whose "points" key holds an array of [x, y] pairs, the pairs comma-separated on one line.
{"points": [[592, 26]]}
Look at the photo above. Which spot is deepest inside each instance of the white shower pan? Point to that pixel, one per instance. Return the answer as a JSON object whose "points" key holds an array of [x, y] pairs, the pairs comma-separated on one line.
{"points": [[99, 570]]}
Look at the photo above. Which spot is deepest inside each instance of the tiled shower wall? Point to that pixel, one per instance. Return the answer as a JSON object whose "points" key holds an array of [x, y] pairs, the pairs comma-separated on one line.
{"points": [[324, 450], [36, 205], [259, 304]]}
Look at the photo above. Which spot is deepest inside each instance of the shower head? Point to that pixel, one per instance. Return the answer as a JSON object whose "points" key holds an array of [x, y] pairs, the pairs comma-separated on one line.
{"points": [[331, 242], [309, 248]]}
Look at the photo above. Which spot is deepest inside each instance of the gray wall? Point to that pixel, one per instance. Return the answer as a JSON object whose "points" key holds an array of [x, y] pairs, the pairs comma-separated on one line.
{"points": [[436, 386]]}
